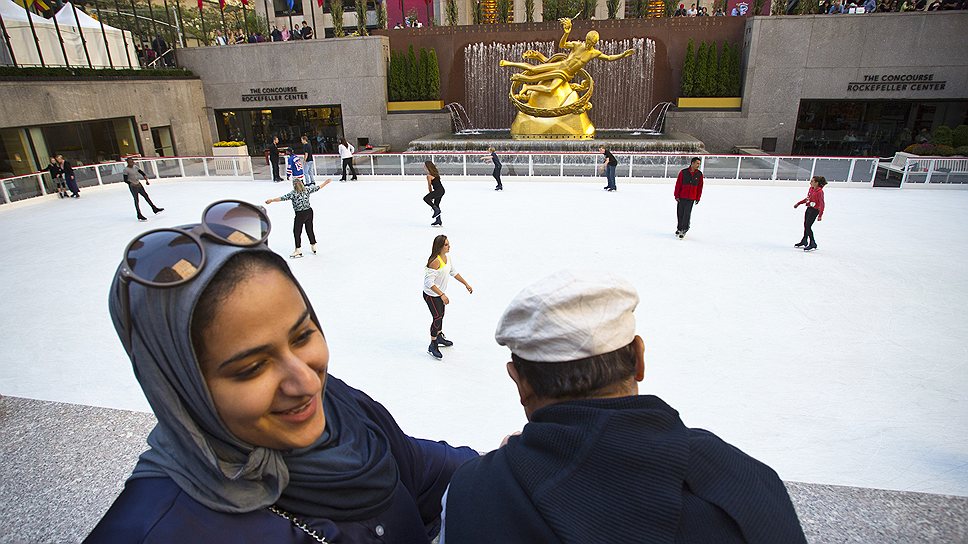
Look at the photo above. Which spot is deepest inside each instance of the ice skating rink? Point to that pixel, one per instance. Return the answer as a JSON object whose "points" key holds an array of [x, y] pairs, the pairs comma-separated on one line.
{"points": [[845, 366]]}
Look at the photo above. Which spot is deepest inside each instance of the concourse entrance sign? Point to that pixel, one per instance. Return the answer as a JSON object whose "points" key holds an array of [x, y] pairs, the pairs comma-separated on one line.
{"points": [[896, 83]]}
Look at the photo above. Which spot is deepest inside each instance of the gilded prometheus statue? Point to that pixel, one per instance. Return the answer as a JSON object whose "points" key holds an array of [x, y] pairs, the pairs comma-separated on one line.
{"points": [[548, 101]]}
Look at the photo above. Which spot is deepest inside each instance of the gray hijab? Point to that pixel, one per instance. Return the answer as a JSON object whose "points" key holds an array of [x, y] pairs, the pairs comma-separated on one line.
{"points": [[348, 473]]}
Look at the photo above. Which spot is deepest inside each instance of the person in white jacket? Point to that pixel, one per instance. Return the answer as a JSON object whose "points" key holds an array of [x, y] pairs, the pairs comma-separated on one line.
{"points": [[438, 270], [346, 151]]}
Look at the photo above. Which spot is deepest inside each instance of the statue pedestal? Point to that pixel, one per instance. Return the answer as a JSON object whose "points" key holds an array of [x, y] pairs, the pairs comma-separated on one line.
{"points": [[572, 126]]}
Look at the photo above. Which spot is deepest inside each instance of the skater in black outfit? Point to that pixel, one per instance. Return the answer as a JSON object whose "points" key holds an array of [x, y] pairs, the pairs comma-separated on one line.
{"points": [[57, 176], [130, 176], [274, 159], [304, 212], [68, 172], [497, 168], [435, 192], [814, 202], [611, 163]]}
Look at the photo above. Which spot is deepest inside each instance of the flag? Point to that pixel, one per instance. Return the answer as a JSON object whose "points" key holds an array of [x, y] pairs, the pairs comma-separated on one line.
{"points": [[40, 6], [290, 3], [200, 5], [221, 4], [245, 2], [320, 2]]}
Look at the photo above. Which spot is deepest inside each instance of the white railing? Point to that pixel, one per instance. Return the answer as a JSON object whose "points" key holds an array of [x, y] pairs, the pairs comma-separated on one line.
{"points": [[934, 170], [642, 166], [40, 183]]}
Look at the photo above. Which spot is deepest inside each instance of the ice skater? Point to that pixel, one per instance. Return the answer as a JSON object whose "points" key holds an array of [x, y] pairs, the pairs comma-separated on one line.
{"points": [[346, 151], [303, 213], [610, 164], [68, 172], [130, 176], [687, 193], [439, 269], [814, 202], [57, 176], [435, 192], [294, 167], [497, 168]]}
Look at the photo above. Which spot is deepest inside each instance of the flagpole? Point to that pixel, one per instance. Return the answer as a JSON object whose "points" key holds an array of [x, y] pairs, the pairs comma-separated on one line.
{"points": [[60, 38], [141, 34], [201, 15], [290, 2], [6, 38], [265, 5], [104, 35], [127, 53], [225, 32], [81, 32], [313, 13], [33, 31]]}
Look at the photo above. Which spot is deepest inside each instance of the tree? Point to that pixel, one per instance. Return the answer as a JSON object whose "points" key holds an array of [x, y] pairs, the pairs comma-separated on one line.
{"points": [[381, 15], [529, 11], [452, 13], [736, 80], [412, 76], [336, 10], [434, 76], [942, 135], [724, 71], [612, 6], [711, 70], [689, 71], [423, 72], [361, 18], [393, 77], [549, 10], [701, 58]]}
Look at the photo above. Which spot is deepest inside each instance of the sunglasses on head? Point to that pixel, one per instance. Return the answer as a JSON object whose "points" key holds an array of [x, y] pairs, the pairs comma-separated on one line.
{"points": [[169, 257]]}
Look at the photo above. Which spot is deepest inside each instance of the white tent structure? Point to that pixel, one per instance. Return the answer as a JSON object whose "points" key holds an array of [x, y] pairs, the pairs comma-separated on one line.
{"points": [[98, 43], [18, 27]]}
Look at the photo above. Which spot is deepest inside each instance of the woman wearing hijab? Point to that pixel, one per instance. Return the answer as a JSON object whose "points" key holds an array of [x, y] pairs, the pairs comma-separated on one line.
{"points": [[255, 441]]}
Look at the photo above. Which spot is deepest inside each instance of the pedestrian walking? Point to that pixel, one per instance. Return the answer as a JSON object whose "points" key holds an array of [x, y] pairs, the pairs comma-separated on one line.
{"points": [[611, 163], [346, 151], [435, 192], [814, 202], [130, 176], [299, 196], [688, 192], [439, 269]]}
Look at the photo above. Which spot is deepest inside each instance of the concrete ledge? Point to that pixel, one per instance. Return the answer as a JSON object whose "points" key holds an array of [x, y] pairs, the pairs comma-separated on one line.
{"points": [[64, 464]]}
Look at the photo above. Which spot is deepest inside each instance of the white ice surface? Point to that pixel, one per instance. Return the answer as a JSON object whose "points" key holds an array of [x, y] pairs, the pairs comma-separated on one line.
{"points": [[845, 366]]}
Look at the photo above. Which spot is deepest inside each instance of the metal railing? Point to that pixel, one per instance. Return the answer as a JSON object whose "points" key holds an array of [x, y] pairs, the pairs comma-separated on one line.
{"points": [[38, 184], [641, 166], [934, 170]]}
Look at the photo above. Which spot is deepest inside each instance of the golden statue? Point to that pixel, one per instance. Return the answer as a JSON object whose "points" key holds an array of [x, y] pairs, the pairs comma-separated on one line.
{"points": [[547, 100]]}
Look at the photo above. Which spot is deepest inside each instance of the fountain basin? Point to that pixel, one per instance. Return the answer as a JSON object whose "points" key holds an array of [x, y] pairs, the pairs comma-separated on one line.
{"points": [[613, 139]]}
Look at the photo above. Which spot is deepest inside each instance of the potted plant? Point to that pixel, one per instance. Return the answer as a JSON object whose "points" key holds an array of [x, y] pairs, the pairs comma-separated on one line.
{"points": [[230, 149]]}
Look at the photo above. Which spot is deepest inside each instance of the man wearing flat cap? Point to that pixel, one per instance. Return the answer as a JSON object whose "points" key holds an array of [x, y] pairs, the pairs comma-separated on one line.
{"points": [[597, 462]]}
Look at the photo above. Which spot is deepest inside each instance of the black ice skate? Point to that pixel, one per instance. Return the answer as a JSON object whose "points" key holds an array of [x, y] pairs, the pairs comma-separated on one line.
{"points": [[434, 352], [443, 342]]}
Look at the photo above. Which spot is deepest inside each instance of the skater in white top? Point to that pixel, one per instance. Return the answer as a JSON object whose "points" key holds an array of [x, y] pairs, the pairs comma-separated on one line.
{"points": [[346, 151], [438, 270]]}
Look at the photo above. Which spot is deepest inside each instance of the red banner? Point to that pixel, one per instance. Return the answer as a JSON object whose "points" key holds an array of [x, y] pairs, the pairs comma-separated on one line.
{"points": [[200, 5], [221, 4]]}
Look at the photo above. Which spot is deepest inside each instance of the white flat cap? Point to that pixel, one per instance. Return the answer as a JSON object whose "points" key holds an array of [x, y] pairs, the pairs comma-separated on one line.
{"points": [[569, 315]]}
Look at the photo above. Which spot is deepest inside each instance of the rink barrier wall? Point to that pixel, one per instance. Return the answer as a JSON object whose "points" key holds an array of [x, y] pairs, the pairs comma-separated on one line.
{"points": [[935, 172], [40, 184]]}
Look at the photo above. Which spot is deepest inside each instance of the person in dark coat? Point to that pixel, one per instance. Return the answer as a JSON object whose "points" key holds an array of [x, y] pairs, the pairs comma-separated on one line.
{"points": [[273, 151], [57, 176], [597, 462], [67, 170], [688, 191], [255, 441]]}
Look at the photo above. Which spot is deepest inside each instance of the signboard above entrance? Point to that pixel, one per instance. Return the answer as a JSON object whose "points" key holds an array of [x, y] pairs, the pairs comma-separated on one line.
{"points": [[896, 82], [274, 94]]}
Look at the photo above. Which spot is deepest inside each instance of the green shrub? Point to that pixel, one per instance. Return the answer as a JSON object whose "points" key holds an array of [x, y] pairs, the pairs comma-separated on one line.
{"points": [[587, 9], [711, 71], [361, 18], [529, 11], [504, 11], [612, 6], [723, 72], [920, 149], [413, 77], [959, 136], [381, 15], [702, 56], [336, 10], [962, 150], [423, 72], [735, 76], [944, 150], [549, 10], [942, 135], [689, 71], [452, 12], [434, 74]]}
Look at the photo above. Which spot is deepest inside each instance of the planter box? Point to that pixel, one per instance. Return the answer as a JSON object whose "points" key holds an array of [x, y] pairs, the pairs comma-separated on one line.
{"points": [[225, 167], [728, 103], [417, 105], [241, 151]]}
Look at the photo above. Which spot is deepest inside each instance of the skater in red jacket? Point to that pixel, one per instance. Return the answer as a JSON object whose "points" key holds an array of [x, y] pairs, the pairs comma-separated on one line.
{"points": [[687, 193], [814, 202]]}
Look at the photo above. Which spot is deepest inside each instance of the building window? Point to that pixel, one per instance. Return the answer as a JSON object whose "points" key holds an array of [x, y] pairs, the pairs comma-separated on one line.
{"points": [[256, 127]]}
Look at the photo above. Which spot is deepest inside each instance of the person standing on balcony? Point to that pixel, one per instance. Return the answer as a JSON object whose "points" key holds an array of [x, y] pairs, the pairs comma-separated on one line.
{"points": [[306, 31], [688, 191], [68, 172], [307, 153], [130, 176], [346, 151]]}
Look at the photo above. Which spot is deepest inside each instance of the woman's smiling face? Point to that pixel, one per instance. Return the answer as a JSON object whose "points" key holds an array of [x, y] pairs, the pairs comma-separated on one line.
{"points": [[265, 361]]}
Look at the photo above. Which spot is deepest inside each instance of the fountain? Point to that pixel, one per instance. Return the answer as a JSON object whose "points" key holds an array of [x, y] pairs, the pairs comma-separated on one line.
{"points": [[623, 90]]}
